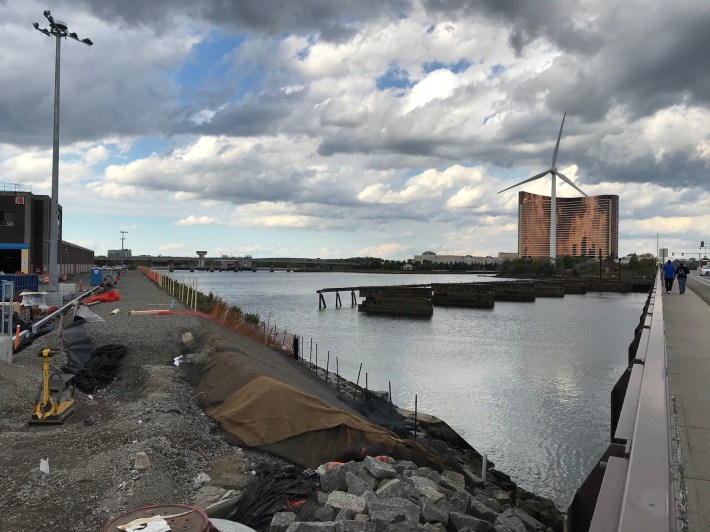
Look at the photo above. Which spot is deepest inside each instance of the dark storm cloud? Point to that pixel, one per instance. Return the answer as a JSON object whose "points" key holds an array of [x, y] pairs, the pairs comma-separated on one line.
{"points": [[332, 20], [249, 117], [527, 21]]}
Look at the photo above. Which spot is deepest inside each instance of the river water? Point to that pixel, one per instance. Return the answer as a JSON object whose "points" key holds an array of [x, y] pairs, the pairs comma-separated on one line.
{"points": [[526, 383]]}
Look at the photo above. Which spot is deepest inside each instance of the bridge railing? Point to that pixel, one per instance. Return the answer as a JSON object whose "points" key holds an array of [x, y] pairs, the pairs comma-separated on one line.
{"points": [[631, 486]]}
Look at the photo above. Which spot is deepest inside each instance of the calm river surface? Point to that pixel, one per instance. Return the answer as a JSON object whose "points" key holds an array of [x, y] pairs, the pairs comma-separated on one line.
{"points": [[526, 383]]}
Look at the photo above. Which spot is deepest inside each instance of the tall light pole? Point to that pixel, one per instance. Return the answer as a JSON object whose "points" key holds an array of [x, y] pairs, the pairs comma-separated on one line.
{"points": [[58, 30], [123, 256]]}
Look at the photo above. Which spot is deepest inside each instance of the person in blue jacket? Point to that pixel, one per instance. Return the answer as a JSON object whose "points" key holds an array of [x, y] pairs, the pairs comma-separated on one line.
{"points": [[668, 275], [681, 272]]}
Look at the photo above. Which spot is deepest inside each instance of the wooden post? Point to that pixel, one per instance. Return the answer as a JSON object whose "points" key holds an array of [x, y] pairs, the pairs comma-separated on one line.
{"points": [[389, 385], [353, 300], [338, 303], [415, 417], [310, 355], [358, 381], [316, 360], [337, 375], [366, 381]]}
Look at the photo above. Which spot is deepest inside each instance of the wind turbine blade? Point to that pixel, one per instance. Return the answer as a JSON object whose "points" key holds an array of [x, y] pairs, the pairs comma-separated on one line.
{"points": [[533, 178], [569, 182], [557, 146]]}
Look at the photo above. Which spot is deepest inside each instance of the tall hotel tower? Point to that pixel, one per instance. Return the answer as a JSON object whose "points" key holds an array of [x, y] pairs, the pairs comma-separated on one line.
{"points": [[585, 226]]}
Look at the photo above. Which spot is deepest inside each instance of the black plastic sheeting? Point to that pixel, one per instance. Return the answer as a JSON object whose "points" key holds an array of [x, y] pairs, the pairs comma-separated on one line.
{"points": [[79, 347], [275, 488], [93, 367]]}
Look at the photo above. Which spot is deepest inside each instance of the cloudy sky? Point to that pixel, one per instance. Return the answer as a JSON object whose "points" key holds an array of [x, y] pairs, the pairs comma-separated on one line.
{"points": [[327, 128]]}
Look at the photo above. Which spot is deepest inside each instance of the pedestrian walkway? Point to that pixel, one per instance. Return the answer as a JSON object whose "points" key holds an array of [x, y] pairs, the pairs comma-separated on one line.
{"points": [[687, 329]]}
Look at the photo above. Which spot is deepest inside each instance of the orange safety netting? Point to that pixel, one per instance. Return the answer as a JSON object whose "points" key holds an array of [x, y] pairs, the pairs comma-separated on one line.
{"points": [[106, 297]]}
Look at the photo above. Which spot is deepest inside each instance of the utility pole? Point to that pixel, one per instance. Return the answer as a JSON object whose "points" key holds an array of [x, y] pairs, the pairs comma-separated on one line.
{"points": [[59, 30]]}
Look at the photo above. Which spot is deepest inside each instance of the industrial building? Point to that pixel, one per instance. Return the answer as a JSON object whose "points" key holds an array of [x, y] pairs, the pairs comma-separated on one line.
{"points": [[24, 236], [586, 226]]}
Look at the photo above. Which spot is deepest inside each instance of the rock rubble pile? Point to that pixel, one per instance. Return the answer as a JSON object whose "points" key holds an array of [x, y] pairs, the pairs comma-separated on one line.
{"points": [[383, 494]]}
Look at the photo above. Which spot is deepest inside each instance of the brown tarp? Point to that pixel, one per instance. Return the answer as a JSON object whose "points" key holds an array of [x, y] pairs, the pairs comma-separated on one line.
{"points": [[265, 412]]}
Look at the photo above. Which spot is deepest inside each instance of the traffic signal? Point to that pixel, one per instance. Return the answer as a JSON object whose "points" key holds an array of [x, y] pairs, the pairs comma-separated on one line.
{"points": [[702, 243]]}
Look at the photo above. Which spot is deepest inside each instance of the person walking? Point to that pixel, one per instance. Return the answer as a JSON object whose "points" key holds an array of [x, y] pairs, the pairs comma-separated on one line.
{"points": [[681, 272], [668, 275]]}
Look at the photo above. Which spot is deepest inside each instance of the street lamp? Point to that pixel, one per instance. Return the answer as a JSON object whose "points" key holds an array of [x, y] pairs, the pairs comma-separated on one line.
{"points": [[123, 255], [57, 29]]}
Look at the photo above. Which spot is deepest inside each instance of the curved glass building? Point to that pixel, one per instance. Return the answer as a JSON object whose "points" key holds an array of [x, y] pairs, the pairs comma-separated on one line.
{"points": [[585, 226]]}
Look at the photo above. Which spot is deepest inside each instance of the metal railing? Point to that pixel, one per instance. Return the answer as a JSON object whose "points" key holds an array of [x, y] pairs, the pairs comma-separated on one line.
{"points": [[631, 486]]}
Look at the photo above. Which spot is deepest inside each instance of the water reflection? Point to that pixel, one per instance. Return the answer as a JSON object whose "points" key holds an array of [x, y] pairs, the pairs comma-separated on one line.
{"points": [[527, 383]]}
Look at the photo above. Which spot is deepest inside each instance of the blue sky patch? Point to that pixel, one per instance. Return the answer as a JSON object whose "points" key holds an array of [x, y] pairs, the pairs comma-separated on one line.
{"points": [[459, 66], [394, 78]]}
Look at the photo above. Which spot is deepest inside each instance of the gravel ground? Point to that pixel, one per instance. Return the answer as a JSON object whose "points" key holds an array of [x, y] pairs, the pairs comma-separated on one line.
{"points": [[150, 408]]}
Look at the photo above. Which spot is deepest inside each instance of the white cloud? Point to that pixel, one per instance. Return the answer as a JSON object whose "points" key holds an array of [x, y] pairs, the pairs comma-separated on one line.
{"points": [[197, 220]]}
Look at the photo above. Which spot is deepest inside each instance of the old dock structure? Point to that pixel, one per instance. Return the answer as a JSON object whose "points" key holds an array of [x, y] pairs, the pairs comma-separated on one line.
{"points": [[419, 299]]}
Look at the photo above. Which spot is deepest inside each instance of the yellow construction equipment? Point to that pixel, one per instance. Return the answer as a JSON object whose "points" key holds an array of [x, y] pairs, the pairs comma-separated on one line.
{"points": [[55, 401]]}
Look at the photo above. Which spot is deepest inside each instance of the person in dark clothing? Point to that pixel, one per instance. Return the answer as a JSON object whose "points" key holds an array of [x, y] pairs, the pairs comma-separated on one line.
{"points": [[668, 275], [681, 272]]}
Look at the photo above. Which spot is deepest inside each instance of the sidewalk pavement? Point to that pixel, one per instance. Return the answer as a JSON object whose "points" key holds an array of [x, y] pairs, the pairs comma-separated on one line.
{"points": [[687, 327]]}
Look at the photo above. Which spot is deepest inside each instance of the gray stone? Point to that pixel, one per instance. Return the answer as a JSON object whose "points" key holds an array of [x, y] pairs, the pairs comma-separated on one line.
{"points": [[208, 495], [490, 503], [448, 486], [361, 517], [503, 497], [480, 510], [384, 513], [355, 526], [511, 522], [390, 488], [141, 461], [400, 466], [471, 478], [378, 468], [355, 484], [460, 521], [393, 507], [341, 499], [429, 473], [281, 521], [368, 479], [406, 526], [435, 527], [345, 515], [410, 492], [311, 527], [429, 494], [461, 501], [334, 478], [421, 482], [325, 513], [530, 522], [431, 513], [322, 497], [457, 478]]}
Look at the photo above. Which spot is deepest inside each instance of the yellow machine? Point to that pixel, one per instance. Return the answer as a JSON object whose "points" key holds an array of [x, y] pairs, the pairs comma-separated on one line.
{"points": [[55, 401]]}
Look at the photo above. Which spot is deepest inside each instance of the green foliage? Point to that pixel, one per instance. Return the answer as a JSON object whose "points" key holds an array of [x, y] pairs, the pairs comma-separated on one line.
{"points": [[537, 268], [252, 318]]}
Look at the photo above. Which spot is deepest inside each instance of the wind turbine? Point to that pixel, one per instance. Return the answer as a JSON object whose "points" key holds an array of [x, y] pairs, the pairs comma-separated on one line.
{"points": [[554, 173]]}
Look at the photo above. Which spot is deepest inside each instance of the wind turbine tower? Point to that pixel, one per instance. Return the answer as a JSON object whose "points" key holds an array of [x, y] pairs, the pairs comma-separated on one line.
{"points": [[554, 174]]}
